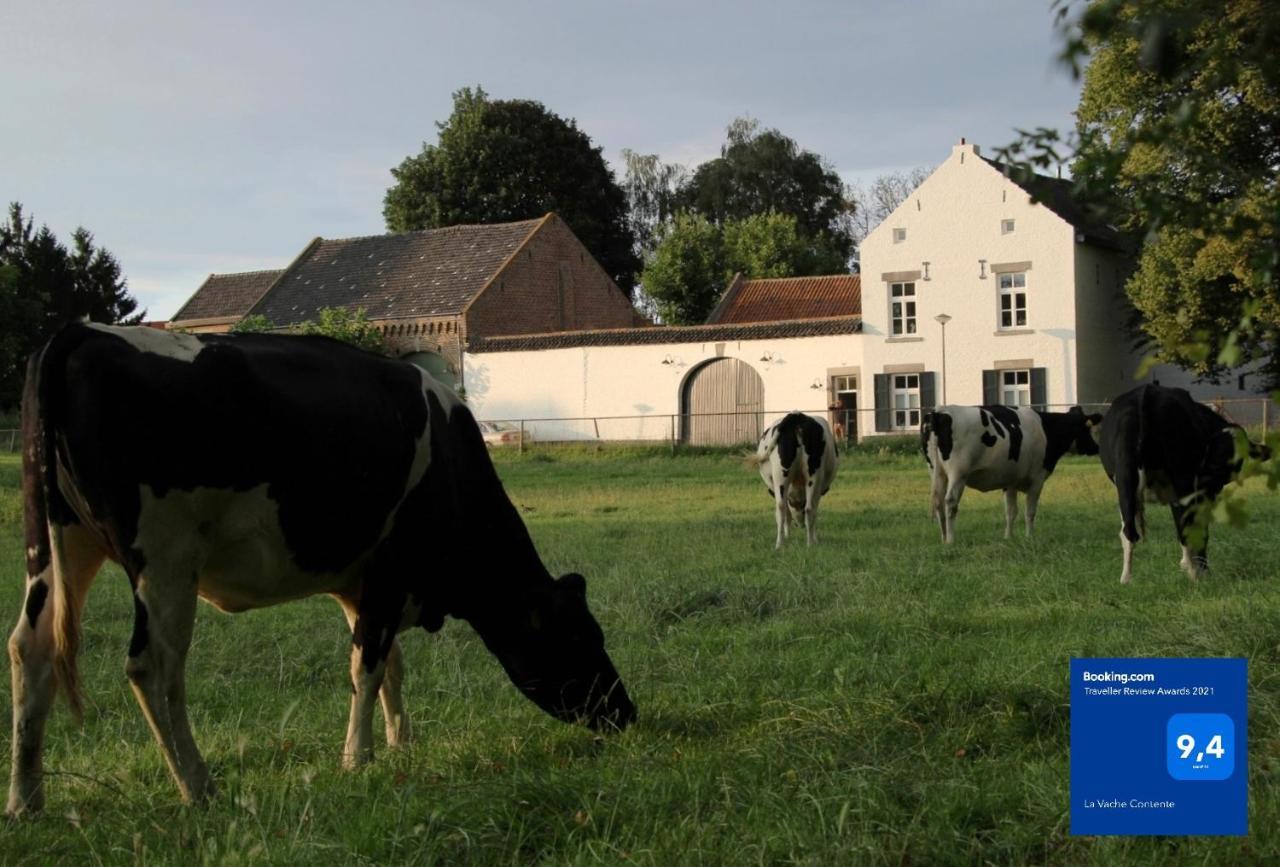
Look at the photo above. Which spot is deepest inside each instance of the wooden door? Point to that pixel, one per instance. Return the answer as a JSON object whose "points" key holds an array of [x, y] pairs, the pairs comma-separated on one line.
{"points": [[723, 404]]}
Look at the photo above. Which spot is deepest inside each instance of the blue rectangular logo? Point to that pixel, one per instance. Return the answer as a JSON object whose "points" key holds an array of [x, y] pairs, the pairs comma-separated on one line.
{"points": [[1158, 746]]}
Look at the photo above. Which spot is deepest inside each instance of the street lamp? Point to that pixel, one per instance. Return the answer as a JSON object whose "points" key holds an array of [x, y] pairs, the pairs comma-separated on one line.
{"points": [[942, 319]]}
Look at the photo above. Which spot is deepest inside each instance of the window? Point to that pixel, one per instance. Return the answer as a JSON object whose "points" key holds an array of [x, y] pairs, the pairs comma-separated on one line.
{"points": [[1013, 299], [1015, 387], [899, 235], [906, 401], [844, 383], [1006, 227], [902, 308]]}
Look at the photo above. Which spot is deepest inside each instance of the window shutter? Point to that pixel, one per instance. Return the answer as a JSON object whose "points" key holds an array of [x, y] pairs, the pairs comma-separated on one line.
{"points": [[884, 408], [991, 388], [928, 391], [1039, 388]]}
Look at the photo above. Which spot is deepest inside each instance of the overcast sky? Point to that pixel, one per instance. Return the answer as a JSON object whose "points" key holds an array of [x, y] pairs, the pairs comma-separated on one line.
{"points": [[198, 138]]}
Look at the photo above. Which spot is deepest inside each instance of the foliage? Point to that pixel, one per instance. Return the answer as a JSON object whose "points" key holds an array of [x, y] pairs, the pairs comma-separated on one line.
{"points": [[651, 187], [349, 326], [503, 160], [876, 699], [47, 285], [685, 273], [694, 260], [346, 325], [254, 323], [763, 171], [1178, 143]]}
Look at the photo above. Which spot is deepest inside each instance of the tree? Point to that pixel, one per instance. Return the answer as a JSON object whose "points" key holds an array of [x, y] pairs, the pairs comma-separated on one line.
{"points": [[1178, 143], [47, 286], [502, 160], [886, 192], [652, 188], [695, 259], [762, 171], [684, 273]]}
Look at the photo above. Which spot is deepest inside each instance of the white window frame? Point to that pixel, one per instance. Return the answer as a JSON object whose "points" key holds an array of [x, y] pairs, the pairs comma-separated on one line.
{"points": [[1011, 300], [904, 397], [902, 322], [899, 235], [1015, 387], [1007, 227]]}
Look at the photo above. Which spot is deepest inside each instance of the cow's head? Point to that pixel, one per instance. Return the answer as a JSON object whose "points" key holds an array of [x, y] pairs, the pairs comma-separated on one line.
{"points": [[1085, 429], [555, 654]]}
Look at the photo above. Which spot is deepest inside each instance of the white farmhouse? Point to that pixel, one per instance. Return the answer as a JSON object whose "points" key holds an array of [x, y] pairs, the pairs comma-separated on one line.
{"points": [[1027, 294]]}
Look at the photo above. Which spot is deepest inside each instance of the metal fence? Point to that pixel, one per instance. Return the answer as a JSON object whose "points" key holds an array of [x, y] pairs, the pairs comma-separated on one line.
{"points": [[729, 428]]}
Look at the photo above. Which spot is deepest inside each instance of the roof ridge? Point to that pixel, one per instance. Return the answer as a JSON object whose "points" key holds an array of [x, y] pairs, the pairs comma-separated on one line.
{"points": [[244, 273], [659, 329], [798, 277], [437, 230]]}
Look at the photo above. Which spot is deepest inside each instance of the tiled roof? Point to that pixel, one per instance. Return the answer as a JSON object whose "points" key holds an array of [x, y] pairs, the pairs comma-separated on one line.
{"points": [[1056, 195], [435, 272], [783, 298], [668, 334], [226, 295]]}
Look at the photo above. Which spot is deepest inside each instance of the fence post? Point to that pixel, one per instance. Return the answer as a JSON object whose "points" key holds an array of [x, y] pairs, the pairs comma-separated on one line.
{"points": [[673, 434], [521, 436], [1266, 405]]}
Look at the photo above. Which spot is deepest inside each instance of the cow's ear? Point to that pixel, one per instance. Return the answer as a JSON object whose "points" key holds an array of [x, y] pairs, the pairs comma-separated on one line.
{"points": [[575, 582]]}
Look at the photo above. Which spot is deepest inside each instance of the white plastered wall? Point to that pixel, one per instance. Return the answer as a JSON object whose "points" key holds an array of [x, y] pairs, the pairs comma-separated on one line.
{"points": [[952, 221], [629, 393]]}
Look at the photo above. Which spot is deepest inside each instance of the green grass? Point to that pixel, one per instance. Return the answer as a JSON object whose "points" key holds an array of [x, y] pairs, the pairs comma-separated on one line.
{"points": [[878, 699]]}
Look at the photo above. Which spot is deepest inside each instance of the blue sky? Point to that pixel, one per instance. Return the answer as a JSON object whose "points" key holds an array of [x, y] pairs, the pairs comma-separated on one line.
{"points": [[198, 138]]}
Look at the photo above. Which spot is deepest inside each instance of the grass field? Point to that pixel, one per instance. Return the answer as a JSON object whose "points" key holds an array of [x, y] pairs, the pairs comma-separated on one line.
{"points": [[878, 699]]}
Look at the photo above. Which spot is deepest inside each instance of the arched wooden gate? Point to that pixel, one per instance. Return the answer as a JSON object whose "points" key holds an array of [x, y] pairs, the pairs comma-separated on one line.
{"points": [[722, 403]]}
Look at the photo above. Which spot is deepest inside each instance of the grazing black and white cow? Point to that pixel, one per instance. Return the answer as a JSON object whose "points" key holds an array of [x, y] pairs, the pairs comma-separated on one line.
{"points": [[256, 469], [797, 460], [998, 448], [1160, 444]]}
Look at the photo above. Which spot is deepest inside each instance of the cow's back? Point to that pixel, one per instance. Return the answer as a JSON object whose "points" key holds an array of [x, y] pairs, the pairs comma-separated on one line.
{"points": [[328, 432]]}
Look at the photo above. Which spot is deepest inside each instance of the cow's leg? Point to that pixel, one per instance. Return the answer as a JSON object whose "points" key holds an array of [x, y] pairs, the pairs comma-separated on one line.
{"points": [[782, 512], [1127, 488], [75, 559], [1033, 506], [1010, 510], [937, 493], [393, 713], [951, 505], [1195, 561], [164, 602], [812, 498]]}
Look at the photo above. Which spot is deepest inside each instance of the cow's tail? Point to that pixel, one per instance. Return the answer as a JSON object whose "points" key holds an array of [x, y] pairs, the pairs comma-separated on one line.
{"points": [[767, 446], [40, 469]]}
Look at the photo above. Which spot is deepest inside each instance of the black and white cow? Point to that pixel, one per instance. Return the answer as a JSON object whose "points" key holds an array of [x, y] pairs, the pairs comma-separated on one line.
{"points": [[1160, 444], [998, 448], [797, 460], [256, 469]]}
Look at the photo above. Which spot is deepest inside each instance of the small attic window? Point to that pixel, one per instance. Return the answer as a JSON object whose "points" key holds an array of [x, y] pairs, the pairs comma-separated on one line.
{"points": [[899, 235], [1006, 227]]}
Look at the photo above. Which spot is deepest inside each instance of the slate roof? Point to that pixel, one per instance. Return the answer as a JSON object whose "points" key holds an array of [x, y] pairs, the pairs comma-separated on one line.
{"points": [[1056, 195], [783, 298], [226, 295], [668, 334], [434, 272]]}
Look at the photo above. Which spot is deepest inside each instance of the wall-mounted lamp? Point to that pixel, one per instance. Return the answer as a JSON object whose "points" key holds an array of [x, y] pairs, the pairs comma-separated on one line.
{"points": [[767, 357], [668, 360], [816, 384], [926, 269], [982, 269]]}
